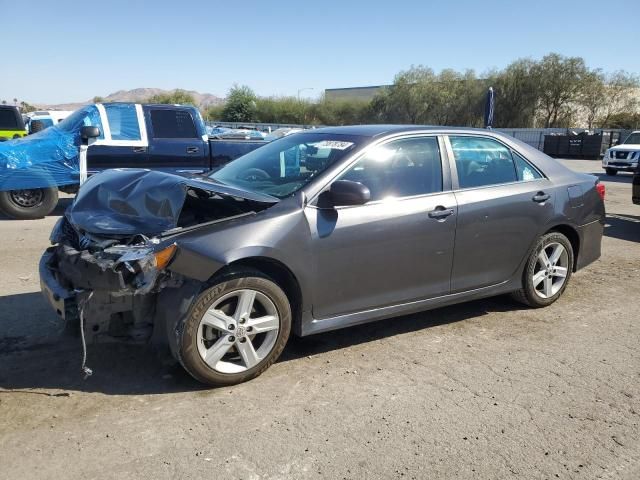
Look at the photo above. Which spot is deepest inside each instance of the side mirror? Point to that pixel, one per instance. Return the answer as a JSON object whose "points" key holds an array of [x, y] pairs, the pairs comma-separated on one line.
{"points": [[89, 132], [344, 193]]}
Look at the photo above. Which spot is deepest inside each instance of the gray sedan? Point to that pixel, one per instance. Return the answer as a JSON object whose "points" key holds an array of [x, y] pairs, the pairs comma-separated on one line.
{"points": [[317, 231]]}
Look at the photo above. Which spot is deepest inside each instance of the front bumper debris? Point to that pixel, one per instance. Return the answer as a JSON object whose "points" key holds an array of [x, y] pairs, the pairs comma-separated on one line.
{"points": [[122, 301]]}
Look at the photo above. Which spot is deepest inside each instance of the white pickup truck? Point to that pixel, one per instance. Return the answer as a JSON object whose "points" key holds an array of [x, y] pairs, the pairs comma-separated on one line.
{"points": [[623, 157]]}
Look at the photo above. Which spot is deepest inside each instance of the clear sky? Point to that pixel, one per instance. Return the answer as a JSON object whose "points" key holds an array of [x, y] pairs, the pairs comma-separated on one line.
{"points": [[58, 51]]}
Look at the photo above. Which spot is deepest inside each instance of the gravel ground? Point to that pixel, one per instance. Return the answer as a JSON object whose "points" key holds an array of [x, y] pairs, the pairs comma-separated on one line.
{"points": [[487, 389]]}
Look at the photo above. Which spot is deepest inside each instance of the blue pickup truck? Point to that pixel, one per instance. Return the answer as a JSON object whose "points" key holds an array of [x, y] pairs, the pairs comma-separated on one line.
{"points": [[172, 138]]}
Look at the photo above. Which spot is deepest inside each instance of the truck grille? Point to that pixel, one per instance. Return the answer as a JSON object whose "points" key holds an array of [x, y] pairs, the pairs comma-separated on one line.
{"points": [[620, 155]]}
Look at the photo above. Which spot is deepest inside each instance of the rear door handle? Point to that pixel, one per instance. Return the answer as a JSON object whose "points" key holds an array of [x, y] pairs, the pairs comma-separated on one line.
{"points": [[193, 149], [440, 213], [541, 197], [139, 149]]}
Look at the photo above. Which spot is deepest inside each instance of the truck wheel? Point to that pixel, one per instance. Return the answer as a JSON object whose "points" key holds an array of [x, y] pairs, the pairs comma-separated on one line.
{"points": [[28, 204], [611, 171]]}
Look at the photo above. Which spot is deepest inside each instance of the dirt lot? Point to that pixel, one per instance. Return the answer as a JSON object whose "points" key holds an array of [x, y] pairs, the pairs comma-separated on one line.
{"points": [[482, 390]]}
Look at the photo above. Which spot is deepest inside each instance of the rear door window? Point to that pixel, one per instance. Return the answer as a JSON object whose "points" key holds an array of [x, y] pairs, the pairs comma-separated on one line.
{"points": [[482, 161], [173, 124]]}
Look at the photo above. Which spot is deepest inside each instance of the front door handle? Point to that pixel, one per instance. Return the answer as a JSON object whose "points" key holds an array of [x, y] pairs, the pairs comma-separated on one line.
{"points": [[193, 149], [541, 197], [139, 149], [440, 213]]}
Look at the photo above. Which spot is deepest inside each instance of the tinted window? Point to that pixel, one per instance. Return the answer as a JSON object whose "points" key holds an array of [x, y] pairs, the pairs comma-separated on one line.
{"points": [[482, 161], [525, 170], [633, 139], [172, 124], [225, 151], [123, 121], [8, 120], [400, 169]]}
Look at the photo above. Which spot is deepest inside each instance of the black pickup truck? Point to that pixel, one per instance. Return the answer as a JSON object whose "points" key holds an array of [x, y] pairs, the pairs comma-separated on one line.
{"points": [[171, 138]]}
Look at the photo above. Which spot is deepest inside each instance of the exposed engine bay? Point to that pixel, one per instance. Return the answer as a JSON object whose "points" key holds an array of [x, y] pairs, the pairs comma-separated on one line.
{"points": [[111, 249]]}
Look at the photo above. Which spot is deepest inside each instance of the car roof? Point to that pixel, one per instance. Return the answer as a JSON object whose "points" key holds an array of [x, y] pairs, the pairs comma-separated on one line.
{"points": [[381, 130]]}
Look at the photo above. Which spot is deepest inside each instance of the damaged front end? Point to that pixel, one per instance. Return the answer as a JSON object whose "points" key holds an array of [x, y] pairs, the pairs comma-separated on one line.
{"points": [[107, 265], [122, 278]]}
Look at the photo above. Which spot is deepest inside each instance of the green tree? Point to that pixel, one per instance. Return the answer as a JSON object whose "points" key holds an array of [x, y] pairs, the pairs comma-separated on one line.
{"points": [[281, 109], [625, 120], [98, 99], [176, 96], [213, 113], [516, 94], [240, 105], [419, 96], [26, 107], [605, 95], [560, 80]]}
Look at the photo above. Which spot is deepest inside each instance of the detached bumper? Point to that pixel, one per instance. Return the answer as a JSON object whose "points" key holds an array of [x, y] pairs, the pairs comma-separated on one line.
{"points": [[62, 300], [111, 312]]}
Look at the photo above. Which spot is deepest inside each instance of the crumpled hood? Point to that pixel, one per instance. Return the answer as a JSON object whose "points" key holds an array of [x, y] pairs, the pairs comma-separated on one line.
{"points": [[137, 201]]}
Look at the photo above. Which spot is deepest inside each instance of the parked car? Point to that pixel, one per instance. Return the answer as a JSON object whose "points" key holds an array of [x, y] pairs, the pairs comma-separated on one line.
{"points": [[164, 137], [11, 123], [316, 231], [41, 119], [624, 157]]}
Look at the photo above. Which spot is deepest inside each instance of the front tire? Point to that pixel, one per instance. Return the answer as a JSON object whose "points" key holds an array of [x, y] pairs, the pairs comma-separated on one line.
{"points": [[29, 204], [611, 171], [547, 271], [235, 330]]}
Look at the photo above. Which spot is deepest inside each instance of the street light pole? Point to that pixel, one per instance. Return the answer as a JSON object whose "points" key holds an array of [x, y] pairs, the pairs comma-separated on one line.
{"points": [[303, 112]]}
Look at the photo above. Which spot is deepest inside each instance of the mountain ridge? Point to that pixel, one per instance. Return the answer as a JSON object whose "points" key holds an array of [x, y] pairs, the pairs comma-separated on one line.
{"points": [[137, 95]]}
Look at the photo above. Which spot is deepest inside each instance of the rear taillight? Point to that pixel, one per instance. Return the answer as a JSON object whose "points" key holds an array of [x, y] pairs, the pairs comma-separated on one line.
{"points": [[601, 190]]}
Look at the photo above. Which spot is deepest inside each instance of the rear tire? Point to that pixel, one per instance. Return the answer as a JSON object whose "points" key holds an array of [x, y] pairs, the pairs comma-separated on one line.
{"points": [[219, 345], [28, 204], [545, 278], [611, 171]]}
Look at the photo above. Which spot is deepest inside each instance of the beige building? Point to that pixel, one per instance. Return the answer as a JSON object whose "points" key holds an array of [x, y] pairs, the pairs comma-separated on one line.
{"points": [[353, 93]]}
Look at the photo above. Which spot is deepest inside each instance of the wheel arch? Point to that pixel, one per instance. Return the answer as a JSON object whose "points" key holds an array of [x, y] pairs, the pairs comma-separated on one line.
{"points": [[572, 235], [274, 269]]}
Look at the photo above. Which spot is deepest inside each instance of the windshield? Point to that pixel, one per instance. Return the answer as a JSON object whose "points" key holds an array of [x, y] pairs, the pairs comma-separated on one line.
{"points": [[284, 166], [633, 139]]}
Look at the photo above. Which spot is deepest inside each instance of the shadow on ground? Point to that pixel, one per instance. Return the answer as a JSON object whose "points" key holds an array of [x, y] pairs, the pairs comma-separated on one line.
{"points": [[623, 227], [121, 369], [619, 178]]}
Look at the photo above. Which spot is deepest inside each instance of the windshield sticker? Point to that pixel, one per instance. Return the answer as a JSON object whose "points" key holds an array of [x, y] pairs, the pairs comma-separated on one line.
{"points": [[335, 144]]}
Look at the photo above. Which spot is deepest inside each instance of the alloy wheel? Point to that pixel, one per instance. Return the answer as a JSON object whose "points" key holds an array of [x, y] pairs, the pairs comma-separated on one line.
{"points": [[550, 272], [238, 331]]}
